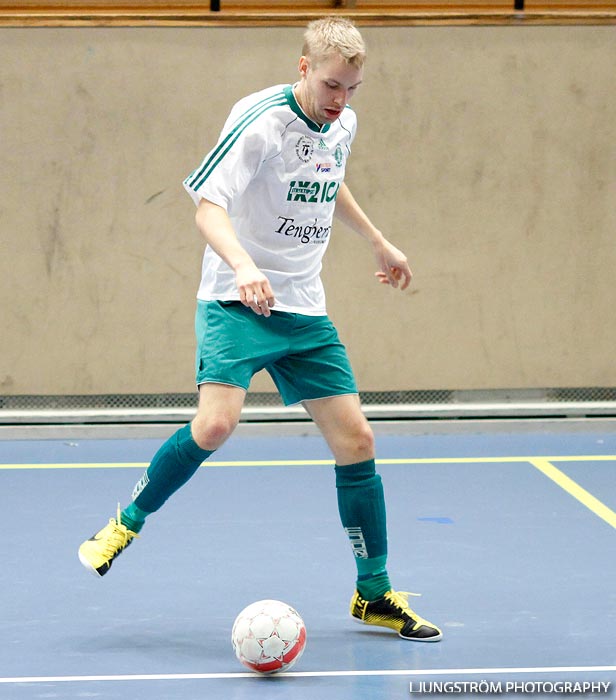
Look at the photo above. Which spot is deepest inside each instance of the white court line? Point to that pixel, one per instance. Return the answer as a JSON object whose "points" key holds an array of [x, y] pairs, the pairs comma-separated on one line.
{"points": [[312, 674]]}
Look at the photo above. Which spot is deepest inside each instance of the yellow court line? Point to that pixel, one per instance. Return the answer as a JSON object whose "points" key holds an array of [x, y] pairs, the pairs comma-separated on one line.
{"points": [[320, 462], [76, 465], [142, 465], [498, 460], [575, 490]]}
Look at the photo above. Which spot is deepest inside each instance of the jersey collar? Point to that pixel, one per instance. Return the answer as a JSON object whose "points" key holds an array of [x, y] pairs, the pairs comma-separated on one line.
{"points": [[294, 105]]}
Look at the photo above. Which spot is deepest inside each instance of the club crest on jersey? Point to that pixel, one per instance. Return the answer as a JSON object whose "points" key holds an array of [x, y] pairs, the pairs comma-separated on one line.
{"points": [[339, 156], [304, 148]]}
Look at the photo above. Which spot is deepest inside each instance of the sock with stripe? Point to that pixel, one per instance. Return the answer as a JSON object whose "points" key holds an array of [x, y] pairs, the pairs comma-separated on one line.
{"points": [[172, 466], [133, 517], [361, 504]]}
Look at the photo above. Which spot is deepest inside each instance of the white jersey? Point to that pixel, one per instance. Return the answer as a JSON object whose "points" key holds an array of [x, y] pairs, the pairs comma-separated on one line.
{"points": [[277, 174]]}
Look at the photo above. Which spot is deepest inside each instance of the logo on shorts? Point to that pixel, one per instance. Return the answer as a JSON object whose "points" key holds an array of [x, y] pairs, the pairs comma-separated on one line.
{"points": [[304, 148]]}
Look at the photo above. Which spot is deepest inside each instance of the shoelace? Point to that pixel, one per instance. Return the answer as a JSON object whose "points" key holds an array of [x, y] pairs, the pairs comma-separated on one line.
{"points": [[119, 537], [401, 600]]}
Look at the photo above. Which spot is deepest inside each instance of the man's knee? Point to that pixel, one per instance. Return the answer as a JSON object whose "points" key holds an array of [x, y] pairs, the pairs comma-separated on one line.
{"points": [[210, 432], [356, 444], [364, 439]]}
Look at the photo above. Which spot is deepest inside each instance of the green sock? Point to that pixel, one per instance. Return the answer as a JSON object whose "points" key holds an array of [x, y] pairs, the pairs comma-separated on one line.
{"points": [[361, 504], [133, 517], [171, 467], [373, 586]]}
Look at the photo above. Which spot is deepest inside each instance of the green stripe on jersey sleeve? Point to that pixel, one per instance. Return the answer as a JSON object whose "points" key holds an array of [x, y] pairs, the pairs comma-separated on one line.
{"points": [[199, 176]]}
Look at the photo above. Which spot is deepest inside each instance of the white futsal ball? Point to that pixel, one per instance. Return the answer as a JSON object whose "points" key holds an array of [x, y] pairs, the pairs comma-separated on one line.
{"points": [[268, 636]]}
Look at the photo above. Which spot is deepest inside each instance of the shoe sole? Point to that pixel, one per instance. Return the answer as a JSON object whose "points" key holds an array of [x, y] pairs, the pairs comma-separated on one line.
{"points": [[86, 564], [436, 638]]}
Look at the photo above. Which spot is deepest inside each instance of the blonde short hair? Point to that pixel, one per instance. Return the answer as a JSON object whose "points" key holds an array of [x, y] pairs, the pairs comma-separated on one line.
{"points": [[334, 34]]}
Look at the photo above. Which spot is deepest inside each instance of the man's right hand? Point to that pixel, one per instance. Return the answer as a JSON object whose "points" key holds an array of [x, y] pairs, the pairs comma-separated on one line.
{"points": [[253, 286], [254, 289]]}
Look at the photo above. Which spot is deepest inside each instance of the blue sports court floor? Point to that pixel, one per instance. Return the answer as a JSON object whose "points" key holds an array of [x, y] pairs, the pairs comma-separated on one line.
{"points": [[506, 529]]}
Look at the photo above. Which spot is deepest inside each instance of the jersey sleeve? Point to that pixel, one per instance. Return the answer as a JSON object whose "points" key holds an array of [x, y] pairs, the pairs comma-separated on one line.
{"points": [[236, 159]]}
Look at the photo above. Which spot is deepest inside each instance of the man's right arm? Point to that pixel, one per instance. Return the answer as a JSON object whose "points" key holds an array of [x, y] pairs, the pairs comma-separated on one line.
{"points": [[253, 286]]}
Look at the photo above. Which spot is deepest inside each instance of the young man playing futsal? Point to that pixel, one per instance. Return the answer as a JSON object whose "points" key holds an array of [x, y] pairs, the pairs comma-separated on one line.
{"points": [[266, 196]]}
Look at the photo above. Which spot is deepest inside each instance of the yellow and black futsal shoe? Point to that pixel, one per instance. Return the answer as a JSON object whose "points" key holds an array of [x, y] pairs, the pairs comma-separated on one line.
{"points": [[392, 610], [98, 553]]}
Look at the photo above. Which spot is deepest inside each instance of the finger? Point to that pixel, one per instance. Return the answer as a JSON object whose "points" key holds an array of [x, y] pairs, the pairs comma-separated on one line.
{"points": [[403, 274], [246, 294], [264, 308], [391, 274], [269, 295], [261, 302], [395, 274], [408, 276], [248, 297], [256, 304], [265, 299]]}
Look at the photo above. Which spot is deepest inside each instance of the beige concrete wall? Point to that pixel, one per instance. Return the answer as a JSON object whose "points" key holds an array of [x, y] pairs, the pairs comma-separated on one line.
{"points": [[486, 153]]}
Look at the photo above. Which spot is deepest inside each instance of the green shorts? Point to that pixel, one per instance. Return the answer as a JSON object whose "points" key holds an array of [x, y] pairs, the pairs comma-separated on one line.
{"points": [[303, 354]]}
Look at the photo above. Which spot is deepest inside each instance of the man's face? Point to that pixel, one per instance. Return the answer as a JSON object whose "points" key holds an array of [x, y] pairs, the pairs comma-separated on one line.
{"points": [[326, 87]]}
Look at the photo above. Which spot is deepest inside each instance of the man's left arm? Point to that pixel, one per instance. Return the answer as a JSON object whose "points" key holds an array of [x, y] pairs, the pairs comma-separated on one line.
{"points": [[393, 266]]}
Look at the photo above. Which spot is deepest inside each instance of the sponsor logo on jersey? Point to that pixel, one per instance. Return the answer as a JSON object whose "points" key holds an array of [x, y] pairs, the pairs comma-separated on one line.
{"points": [[324, 167], [312, 191], [309, 233], [304, 148], [322, 146]]}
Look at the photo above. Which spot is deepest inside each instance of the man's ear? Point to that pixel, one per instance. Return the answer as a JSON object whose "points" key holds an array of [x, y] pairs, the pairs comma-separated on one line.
{"points": [[304, 64]]}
